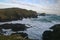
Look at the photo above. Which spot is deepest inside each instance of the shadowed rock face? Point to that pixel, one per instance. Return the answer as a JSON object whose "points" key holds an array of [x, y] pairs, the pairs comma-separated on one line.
{"points": [[52, 35], [14, 27], [46, 35], [9, 14], [56, 27]]}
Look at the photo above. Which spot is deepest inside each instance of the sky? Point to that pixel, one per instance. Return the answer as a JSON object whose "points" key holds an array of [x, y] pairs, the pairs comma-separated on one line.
{"points": [[44, 2], [48, 6]]}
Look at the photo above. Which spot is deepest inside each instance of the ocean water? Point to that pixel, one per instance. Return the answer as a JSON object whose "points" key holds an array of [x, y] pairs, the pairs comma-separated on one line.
{"points": [[38, 25]]}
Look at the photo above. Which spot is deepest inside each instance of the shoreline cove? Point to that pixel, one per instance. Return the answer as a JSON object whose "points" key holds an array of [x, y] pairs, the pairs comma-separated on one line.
{"points": [[38, 25]]}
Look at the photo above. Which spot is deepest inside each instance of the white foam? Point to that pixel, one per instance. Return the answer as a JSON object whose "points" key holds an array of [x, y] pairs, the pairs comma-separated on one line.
{"points": [[35, 32]]}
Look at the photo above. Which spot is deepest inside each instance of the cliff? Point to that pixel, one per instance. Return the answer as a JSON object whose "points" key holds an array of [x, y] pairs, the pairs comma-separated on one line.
{"points": [[9, 14]]}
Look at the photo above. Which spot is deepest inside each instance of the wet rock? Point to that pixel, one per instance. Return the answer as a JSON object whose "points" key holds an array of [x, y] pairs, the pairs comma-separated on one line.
{"points": [[52, 35], [56, 27], [14, 27], [46, 35]]}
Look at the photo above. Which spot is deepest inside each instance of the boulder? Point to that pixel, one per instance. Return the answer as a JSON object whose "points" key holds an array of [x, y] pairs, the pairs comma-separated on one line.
{"points": [[56, 27], [14, 27], [52, 35], [46, 35]]}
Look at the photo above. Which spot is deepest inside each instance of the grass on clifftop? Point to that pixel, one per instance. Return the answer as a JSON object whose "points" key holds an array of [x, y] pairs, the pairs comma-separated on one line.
{"points": [[16, 13], [12, 37]]}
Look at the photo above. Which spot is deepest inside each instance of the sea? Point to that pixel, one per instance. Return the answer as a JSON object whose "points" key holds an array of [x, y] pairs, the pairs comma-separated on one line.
{"points": [[37, 25]]}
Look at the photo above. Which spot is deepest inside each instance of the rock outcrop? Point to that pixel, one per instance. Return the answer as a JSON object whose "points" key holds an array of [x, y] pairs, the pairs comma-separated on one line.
{"points": [[42, 14], [52, 35], [14, 27], [9, 14]]}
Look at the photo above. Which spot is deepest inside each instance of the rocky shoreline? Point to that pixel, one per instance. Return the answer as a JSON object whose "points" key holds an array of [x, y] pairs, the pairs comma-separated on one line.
{"points": [[9, 14], [52, 35], [5, 30], [12, 14], [16, 36], [14, 27]]}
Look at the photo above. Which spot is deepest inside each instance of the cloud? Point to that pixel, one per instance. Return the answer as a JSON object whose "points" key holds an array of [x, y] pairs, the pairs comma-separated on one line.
{"points": [[42, 6]]}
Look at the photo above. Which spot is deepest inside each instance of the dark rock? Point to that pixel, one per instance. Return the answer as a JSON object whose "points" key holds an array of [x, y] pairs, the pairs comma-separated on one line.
{"points": [[42, 14], [46, 35], [56, 27], [14, 27], [52, 35]]}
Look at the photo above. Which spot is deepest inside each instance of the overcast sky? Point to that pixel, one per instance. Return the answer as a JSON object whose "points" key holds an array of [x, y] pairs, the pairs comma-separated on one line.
{"points": [[48, 6]]}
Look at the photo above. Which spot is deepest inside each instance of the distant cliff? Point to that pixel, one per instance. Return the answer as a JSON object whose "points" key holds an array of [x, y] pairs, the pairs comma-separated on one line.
{"points": [[9, 14]]}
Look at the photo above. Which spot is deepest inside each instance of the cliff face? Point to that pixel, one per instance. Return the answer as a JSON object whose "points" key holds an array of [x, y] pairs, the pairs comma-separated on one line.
{"points": [[16, 13]]}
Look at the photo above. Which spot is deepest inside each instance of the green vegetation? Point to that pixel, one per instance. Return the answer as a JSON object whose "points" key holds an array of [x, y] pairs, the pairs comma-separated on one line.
{"points": [[12, 37], [15, 28], [16, 13]]}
